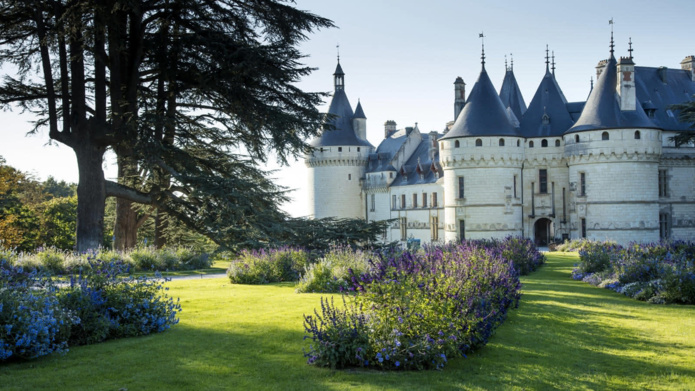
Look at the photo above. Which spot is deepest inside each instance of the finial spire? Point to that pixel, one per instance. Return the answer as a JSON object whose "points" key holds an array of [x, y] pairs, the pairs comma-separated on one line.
{"points": [[612, 45], [630, 49], [482, 57], [337, 47], [506, 67], [547, 58], [512, 58], [552, 64], [592, 84]]}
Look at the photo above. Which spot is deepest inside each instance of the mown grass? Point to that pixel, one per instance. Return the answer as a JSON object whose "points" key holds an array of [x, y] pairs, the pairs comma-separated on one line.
{"points": [[565, 335]]}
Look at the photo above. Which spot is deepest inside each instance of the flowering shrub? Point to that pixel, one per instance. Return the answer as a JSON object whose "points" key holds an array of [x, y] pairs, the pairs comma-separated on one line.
{"points": [[522, 252], [265, 266], [32, 322], [423, 308], [332, 272], [657, 272], [38, 318]]}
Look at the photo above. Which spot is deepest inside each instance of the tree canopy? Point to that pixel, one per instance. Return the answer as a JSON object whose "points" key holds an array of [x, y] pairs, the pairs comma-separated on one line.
{"points": [[193, 94], [686, 113]]}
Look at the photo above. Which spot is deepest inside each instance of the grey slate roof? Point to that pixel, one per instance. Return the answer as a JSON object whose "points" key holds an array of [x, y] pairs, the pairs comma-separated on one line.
{"points": [[418, 168], [385, 152], [338, 130], [602, 109], [548, 101], [510, 94], [654, 93], [484, 114]]}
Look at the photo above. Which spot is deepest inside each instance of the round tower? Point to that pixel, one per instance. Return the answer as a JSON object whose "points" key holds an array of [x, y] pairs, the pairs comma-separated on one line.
{"points": [[338, 163], [481, 156], [613, 153]]}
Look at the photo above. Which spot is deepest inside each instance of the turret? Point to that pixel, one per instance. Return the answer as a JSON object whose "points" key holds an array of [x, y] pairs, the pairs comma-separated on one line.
{"points": [[359, 122], [459, 96]]}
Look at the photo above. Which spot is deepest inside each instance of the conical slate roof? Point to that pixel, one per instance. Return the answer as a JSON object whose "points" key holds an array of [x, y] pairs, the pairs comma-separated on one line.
{"points": [[547, 114], [602, 109], [484, 114], [338, 70], [359, 113], [510, 94]]}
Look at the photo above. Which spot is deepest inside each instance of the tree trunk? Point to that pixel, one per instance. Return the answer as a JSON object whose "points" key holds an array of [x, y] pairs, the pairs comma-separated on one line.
{"points": [[125, 229], [160, 224], [91, 196]]}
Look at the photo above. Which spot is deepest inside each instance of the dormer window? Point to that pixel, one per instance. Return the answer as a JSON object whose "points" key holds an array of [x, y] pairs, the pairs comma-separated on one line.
{"points": [[545, 119]]}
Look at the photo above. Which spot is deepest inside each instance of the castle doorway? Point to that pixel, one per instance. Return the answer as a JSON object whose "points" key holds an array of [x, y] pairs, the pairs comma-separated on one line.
{"points": [[543, 231]]}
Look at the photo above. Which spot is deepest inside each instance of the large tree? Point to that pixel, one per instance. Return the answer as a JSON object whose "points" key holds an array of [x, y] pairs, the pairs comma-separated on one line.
{"points": [[190, 94], [686, 113]]}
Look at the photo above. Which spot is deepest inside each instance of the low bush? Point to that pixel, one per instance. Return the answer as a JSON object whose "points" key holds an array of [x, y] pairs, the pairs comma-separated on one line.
{"points": [[332, 272], [658, 272], [420, 309], [38, 317], [522, 252], [574, 245], [266, 266]]}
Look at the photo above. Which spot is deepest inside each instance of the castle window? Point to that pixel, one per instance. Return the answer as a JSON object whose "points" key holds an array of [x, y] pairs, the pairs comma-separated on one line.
{"points": [[514, 186], [457, 144], [518, 143], [349, 177], [582, 185], [358, 149], [663, 226], [637, 135], [583, 228], [462, 229], [373, 197], [424, 200], [605, 136], [461, 193], [501, 142], [414, 200], [321, 149], [394, 201], [530, 144], [390, 175], [557, 142], [576, 138], [663, 183], [478, 143], [544, 143], [434, 200], [434, 228], [404, 229], [340, 149], [402, 201], [543, 181]]}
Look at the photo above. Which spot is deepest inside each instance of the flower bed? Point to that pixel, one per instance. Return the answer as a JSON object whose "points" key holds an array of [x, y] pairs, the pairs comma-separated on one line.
{"points": [[656, 272], [416, 310]]}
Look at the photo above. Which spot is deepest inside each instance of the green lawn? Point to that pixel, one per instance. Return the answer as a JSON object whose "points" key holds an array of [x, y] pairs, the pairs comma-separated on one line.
{"points": [[565, 335]]}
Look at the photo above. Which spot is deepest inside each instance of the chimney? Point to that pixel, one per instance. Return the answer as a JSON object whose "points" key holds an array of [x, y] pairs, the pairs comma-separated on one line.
{"points": [[433, 145], [688, 64], [389, 128], [459, 96], [600, 67], [625, 86]]}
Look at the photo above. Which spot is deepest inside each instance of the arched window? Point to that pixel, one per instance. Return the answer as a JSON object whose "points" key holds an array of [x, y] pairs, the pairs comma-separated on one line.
{"points": [[605, 136], [557, 143], [518, 143], [457, 144], [544, 143], [478, 143], [576, 138], [530, 144], [637, 135], [501, 142]]}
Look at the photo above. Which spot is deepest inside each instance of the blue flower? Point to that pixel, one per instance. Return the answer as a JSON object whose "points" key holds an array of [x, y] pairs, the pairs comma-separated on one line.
{"points": [[398, 363]]}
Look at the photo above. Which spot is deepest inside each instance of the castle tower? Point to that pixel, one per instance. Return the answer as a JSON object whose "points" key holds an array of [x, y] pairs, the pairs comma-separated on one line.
{"points": [[480, 156], [613, 153], [338, 163]]}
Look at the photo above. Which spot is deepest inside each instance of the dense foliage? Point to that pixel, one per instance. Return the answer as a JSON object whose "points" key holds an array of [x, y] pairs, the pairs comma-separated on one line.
{"points": [[39, 316], [141, 258], [331, 273], [522, 252], [656, 272], [416, 310], [265, 266]]}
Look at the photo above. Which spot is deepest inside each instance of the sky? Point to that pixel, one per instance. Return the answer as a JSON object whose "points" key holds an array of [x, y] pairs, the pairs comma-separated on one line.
{"points": [[401, 58]]}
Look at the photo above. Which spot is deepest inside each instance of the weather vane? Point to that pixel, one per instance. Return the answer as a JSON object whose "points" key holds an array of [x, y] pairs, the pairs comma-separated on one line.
{"points": [[337, 48], [482, 37]]}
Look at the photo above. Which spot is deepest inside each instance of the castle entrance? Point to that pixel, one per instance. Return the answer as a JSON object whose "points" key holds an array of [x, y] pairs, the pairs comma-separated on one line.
{"points": [[543, 232]]}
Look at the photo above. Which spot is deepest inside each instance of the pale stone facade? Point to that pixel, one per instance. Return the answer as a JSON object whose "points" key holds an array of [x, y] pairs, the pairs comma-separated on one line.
{"points": [[603, 169]]}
